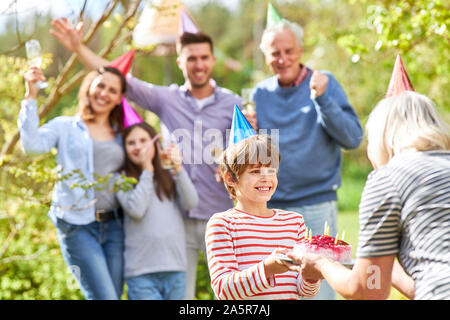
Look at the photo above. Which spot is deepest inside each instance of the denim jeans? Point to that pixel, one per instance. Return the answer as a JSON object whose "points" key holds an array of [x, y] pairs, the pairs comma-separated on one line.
{"points": [[94, 254], [315, 217], [195, 241], [169, 285]]}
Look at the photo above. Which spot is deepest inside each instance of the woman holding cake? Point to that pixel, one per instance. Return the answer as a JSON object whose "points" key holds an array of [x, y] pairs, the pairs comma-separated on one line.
{"points": [[404, 209]]}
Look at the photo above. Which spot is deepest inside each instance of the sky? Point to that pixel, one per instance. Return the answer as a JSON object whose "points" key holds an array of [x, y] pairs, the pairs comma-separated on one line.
{"points": [[60, 8], [67, 8]]}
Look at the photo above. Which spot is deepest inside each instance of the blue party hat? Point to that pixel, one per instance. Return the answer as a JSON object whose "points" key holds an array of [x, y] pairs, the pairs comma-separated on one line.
{"points": [[240, 127]]}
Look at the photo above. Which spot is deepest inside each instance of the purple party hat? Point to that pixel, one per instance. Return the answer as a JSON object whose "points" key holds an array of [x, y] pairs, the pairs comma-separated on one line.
{"points": [[186, 24]]}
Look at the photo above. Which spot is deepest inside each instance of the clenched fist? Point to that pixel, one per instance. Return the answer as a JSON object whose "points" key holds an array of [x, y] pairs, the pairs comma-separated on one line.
{"points": [[318, 84]]}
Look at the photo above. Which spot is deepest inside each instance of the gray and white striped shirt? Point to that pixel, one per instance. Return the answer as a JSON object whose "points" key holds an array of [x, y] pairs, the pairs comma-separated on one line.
{"points": [[405, 211]]}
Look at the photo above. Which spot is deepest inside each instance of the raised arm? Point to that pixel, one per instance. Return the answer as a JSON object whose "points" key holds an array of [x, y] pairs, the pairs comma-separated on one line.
{"points": [[71, 38], [33, 138], [337, 116]]}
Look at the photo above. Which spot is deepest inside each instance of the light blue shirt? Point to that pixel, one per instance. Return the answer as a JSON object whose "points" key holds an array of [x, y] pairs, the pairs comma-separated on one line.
{"points": [[311, 135], [71, 137]]}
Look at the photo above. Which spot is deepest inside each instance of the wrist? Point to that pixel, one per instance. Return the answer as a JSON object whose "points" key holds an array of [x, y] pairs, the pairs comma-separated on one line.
{"points": [[78, 49], [148, 167], [30, 96], [311, 281], [267, 270]]}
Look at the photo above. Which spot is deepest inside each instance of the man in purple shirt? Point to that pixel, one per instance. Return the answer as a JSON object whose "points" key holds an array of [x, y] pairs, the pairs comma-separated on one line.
{"points": [[197, 114]]}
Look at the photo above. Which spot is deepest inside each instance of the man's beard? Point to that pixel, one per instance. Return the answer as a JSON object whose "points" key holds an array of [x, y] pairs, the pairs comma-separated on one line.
{"points": [[198, 85]]}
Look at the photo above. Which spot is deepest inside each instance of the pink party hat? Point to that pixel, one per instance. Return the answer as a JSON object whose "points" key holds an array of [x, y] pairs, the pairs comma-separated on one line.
{"points": [[399, 79], [123, 64], [186, 24], [129, 116]]}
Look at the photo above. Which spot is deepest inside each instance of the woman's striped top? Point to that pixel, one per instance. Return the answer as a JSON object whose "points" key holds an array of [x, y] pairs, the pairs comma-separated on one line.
{"points": [[405, 211], [238, 242]]}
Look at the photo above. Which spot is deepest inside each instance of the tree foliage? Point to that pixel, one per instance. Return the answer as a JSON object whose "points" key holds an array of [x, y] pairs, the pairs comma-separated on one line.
{"points": [[356, 40]]}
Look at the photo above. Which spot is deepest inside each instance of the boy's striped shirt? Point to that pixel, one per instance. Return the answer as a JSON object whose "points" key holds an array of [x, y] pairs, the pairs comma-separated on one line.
{"points": [[238, 242]]}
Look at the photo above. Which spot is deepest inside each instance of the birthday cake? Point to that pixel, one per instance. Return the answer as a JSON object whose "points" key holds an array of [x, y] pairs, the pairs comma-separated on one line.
{"points": [[325, 246]]}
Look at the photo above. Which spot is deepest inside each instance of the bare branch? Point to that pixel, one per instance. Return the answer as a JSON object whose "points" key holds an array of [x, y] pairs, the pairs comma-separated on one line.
{"points": [[116, 40], [61, 86], [24, 258], [81, 15]]}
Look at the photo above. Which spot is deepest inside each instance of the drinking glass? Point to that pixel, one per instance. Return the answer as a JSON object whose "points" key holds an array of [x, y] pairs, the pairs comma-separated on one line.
{"points": [[166, 160], [165, 150], [34, 58]]}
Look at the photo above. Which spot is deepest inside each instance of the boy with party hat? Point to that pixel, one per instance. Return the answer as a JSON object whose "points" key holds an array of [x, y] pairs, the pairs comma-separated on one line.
{"points": [[243, 242], [315, 121]]}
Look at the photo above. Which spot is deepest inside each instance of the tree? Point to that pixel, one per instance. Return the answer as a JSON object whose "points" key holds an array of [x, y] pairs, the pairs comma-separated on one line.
{"points": [[28, 256]]}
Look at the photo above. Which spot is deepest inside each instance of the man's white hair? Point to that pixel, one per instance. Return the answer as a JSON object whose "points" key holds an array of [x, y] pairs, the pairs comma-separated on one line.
{"points": [[267, 36]]}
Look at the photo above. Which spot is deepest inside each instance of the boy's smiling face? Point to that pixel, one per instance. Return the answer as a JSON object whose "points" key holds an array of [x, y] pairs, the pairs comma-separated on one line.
{"points": [[256, 184]]}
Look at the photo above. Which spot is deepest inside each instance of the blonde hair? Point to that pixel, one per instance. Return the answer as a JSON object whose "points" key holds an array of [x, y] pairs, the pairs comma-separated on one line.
{"points": [[406, 121], [256, 150]]}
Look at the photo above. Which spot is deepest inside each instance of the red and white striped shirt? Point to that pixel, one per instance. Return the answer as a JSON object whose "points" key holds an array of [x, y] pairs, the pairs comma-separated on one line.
{"points": [[238, 242]]}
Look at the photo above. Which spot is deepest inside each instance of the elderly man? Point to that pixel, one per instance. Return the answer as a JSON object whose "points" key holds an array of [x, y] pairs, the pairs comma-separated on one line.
{"points": [[314, 119]]}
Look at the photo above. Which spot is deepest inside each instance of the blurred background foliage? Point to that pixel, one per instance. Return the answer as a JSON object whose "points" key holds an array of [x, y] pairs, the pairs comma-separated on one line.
{"points": [[356, 40]]}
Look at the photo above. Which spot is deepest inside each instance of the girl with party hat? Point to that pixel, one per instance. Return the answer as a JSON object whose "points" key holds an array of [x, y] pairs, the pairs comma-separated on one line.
{"points": [[155, 245]]}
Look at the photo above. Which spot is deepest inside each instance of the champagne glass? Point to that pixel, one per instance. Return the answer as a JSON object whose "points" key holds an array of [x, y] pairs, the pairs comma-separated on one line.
{"points": [[166, 159], [34, 57], [249, 104]]}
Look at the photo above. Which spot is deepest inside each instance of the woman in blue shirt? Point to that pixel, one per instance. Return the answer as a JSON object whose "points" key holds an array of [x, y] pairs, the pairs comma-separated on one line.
{"points": [[89, 222]]}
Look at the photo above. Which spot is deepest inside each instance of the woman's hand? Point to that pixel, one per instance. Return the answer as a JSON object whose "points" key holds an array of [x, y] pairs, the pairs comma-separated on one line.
{"points": [[32, 76], [308, 266], [67, 34]]}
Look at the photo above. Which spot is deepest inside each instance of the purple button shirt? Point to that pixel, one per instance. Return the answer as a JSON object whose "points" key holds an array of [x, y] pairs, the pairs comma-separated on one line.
{"points": [[197, 132]]}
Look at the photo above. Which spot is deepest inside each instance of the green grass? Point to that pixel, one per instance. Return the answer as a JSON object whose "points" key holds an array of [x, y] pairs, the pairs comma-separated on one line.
{"points": [[348, 222]]}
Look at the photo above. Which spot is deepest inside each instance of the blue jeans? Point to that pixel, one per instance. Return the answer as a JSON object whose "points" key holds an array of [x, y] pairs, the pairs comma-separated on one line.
{"points": [[94, 254], [157, 286], [315, 216]]}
